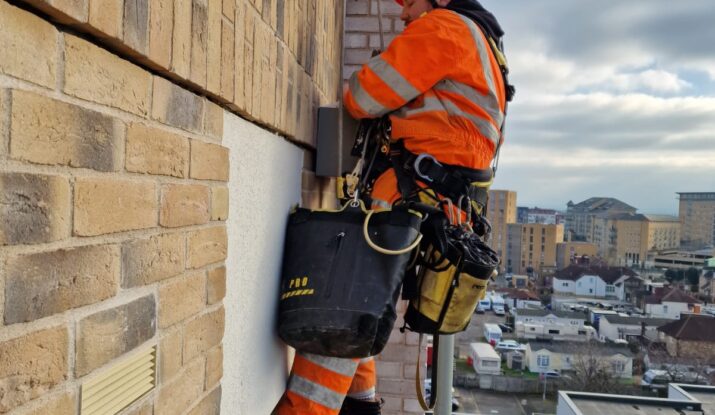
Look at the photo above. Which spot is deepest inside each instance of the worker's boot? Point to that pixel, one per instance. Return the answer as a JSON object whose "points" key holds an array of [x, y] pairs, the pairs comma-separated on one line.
{"points": [[357, 407]]}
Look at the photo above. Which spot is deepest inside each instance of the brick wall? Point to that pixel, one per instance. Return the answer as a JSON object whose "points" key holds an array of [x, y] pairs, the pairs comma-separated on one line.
{"points": [[113, 179], [396, 366]]}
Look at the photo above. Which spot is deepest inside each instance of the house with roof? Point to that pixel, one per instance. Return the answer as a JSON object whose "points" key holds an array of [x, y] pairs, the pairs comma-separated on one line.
{"points": [[545, 356], [551, 325], [597, 281], [520, 298], [616, 327], [667, 302], [693, 336]]}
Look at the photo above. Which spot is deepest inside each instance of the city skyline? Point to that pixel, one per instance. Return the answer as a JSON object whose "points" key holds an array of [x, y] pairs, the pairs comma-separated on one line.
{"points": [[614, 99]]}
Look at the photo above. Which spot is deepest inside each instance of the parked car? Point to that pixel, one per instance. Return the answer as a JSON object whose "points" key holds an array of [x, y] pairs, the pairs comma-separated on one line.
{"points": [[552, 374], [499, 310], [507, 345], [505, 328]]}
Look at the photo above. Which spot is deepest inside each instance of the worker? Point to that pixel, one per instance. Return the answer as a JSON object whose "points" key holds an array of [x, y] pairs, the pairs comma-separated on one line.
{"points": [[444, 90]]}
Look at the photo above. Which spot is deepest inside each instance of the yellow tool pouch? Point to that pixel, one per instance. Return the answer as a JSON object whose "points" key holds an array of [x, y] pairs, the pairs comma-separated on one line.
{"points": [[448, 287]]}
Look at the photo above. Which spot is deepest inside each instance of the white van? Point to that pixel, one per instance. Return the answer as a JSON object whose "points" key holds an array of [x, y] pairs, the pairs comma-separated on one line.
{"points": [[492, 333], [484, 305]]}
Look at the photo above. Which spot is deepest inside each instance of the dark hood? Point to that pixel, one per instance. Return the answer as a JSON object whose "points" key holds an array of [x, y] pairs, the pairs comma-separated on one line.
{"points": [[483, 17]]}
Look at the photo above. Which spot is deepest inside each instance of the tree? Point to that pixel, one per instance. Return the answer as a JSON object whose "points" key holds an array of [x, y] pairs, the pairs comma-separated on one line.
{"points": [[592, 371], [692, 276]]}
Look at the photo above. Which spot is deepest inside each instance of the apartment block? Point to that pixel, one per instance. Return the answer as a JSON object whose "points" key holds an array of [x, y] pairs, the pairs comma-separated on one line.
{"points": [[569, 252], [501, 211], [636, 234], [587, 220], [697, 217], [533, 247]]}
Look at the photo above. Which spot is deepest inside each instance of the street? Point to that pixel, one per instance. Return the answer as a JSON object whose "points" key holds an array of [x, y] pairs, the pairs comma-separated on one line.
{"points": [[481, 402]]}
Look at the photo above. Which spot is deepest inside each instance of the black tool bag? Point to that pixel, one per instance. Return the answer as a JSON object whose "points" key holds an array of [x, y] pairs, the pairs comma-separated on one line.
{"points": [[341, 278]]}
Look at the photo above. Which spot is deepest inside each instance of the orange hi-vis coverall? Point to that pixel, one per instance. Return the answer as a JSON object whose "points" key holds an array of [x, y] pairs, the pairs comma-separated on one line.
{"points": [[443, 88]]}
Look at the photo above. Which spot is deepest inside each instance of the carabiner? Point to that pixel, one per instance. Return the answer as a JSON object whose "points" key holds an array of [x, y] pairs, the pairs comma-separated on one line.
{"points": [[417, 162]]}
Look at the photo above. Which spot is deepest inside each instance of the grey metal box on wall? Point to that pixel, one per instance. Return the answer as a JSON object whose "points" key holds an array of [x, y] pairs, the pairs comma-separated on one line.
{"points": [[335, 136]]}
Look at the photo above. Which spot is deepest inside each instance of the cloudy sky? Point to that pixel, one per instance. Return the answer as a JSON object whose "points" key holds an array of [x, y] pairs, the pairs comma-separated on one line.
{"points": [[614, 98]]}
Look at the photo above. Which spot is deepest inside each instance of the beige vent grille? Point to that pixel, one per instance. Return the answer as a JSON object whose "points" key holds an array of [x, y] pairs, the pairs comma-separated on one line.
{"points": [[120, 385]]}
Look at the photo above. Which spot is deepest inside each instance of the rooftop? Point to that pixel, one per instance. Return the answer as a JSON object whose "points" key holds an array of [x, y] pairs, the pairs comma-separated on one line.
{"points": [[529, 312], [583, 403], [636, 321], [600, 349], [606, 273], [600, 205], [672, 295], [691, 327]]}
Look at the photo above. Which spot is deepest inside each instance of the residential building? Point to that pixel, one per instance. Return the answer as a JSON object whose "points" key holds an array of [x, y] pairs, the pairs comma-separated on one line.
{"points": [[636, 234], [544, 216], [551, 324], [682, 399], [669, 303], [501, 211], [519, 281], [522, 214], [706, 284], [517, 298], [512, 258], [597, 281], [537, 247], [616, 327], [568, 253], [697, 218], [581, 218], [693, 336], [485, 360], [545, 356]]}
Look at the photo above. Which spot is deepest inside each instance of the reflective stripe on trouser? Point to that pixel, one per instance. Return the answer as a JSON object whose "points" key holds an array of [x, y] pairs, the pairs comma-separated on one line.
{"points": [[363, 386], [318, 384]]}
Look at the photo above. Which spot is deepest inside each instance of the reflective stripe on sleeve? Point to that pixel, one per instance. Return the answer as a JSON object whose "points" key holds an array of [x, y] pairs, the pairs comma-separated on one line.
{"points": [[315, 392], [389, 75], [488, 103], [435, 104], [368, 104], [345, 367], [483, 50]]}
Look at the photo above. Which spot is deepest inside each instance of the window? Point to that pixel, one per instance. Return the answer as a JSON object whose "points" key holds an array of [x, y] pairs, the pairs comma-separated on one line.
{"points": [[590, 290], [618, 366], [490, 363], [564, 284], [542, 360], [665, 308], [610, 289], [554, 332]]}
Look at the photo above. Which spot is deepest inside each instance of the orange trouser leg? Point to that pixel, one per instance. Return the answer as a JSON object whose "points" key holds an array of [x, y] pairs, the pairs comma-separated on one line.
{"points": [[363, 385], [317, 385]]}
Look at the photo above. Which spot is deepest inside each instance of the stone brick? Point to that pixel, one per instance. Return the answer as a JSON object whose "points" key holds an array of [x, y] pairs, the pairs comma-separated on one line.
{"points": [[32, 365], [136, 25], [177, 396], [357, 56], [216, 285], [64, 404], [227, 61], [181, 41], [229, 9], [366, 24], [181, 298], [108, 334], [203, 333], [106, 16], [96, 75], [214, 366], [28, 46], [395, 386], [399, 353], [42, 284], [145, 409], [161, 27], [183, 205], [356, 40], [154, 151], [146, 261], [210, 405], [106, 205], [357, 7], [247, 57], [47, 131], [207, 246], [219, 203], [64, 11], [199, 42], [33, 208], [170, 356], [389, 370], [176, 106], [213, 81], [209, 161], [213, 119], [388, 8]]}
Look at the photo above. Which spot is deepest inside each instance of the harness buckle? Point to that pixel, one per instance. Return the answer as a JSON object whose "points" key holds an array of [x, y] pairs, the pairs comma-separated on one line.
{"points": [[419, 160]]}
